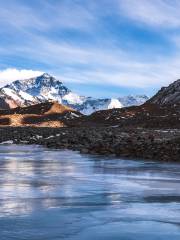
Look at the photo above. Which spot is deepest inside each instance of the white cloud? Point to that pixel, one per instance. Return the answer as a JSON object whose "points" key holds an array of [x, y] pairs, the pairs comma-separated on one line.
{"points": [[92, 65], [59, 15], [102, 62], [10, 74], [155, 13]]}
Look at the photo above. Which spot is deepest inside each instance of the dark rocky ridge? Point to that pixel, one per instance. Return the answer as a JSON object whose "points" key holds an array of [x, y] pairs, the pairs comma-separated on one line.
{"points": [[132, 143], [149, 131], [167, 95], [144, 116]]}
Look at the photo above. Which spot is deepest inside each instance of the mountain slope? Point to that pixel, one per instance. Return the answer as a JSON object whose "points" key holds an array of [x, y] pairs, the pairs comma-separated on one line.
{"points": [[44, 87], [131, 100], [89, 105], [48, 114], [47, 88], [168, 95]]}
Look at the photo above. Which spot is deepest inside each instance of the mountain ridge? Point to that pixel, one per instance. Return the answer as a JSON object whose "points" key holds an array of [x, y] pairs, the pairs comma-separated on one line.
{"points": [[167, 95], [47, 88]]}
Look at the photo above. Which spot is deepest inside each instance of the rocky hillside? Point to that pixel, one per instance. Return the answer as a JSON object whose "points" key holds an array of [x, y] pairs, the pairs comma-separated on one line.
{"points": [[161, 111], [49, 114], [168, 95], [47, 88], [145, 116]]}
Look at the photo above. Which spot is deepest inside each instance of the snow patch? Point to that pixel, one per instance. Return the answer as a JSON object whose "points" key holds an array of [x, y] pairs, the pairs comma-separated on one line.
{"points": [[115, 103], [26, 96], [12, 94], [73, 98], [7, 142]]}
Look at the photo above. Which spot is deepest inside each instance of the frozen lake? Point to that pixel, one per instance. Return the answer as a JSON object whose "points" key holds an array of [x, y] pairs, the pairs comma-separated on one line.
{"points": [[51, 195]]}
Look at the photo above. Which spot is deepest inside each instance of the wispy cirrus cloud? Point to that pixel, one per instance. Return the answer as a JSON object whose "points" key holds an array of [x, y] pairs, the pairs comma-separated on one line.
{"points": [[46, 16], [155, 13], [93, 65], [119, 43]]}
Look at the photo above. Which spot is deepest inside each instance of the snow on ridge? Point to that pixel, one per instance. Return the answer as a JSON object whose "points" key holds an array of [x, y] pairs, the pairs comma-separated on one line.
{"points": [[114, 103], [47, 88], [12, 94], [26, 96], [73, 98]]}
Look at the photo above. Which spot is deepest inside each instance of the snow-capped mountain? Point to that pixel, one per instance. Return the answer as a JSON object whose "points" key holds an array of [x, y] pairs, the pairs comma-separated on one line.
{"points": [[43, 87], [133, 100], [47, 88], [89, 105]]}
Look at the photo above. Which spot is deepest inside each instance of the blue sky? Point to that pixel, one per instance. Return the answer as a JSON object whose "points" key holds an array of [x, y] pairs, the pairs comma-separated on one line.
{"points": [[96, 47]]}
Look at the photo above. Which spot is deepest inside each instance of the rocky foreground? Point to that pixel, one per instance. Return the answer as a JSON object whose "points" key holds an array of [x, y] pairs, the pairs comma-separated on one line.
{"points": [[131, 143], [148, 131]]}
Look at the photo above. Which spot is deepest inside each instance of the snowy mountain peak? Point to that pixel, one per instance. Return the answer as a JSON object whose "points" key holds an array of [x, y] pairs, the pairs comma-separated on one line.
{"points": [[47, 88], [46, 75], [44, 87]]}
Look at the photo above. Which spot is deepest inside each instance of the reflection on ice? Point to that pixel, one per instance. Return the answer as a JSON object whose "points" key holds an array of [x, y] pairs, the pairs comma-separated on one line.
{"points": [[48, 194]]}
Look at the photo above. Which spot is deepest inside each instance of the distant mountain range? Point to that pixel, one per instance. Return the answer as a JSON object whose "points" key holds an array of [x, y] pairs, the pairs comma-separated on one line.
{"points": [[45, 88], [35, 108]]}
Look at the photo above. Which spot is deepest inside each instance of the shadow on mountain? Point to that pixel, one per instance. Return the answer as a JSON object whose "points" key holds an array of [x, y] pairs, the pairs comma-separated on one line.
{"points": [[5, 121]]}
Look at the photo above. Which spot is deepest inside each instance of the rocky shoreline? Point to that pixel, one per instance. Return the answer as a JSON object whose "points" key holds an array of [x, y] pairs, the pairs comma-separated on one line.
{"points": [[154, 144]]}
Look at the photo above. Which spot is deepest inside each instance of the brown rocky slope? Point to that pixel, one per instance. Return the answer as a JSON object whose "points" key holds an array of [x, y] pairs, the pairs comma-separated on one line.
{"points": [[49, 114]]}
